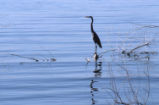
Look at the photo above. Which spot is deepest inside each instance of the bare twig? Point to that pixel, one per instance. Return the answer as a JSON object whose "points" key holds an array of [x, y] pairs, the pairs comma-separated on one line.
{"points": [[149, 26], [114, 89], [36, 60], [102, 53], [145, 26], [130, 84], [133, 98], [142, 45], [131, 52], [148, 85]]}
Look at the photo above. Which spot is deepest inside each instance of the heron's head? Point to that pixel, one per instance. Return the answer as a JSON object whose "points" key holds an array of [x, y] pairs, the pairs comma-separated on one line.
{"points": [[88, 16]]}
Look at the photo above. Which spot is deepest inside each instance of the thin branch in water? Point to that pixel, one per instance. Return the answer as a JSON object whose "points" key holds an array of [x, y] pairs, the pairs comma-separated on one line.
{"points": [[142, 45], [102, 53], [149, 26], [130, 84], [36, 60]]}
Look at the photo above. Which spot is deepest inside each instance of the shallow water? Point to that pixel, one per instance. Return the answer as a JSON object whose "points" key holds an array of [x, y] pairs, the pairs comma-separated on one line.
{"points": [[57, 29]]}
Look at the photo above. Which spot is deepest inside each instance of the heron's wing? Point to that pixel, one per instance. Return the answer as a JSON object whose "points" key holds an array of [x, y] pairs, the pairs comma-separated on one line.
{"points": [[97, 40]]}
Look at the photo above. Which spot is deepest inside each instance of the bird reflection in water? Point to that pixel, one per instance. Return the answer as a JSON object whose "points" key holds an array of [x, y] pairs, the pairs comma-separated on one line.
{"points": [[97, 71], [92, 91], [98, 65]]}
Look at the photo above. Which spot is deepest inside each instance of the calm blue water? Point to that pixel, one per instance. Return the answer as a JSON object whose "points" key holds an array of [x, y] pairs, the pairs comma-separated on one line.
{"points": [[46, 29]]}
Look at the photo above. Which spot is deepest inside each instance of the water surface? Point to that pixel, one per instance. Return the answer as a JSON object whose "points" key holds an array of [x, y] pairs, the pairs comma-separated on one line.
{"points": [[57, 29]]}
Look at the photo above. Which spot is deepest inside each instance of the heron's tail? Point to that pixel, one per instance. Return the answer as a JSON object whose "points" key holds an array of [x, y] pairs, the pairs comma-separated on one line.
{"points": [[100, 45]]}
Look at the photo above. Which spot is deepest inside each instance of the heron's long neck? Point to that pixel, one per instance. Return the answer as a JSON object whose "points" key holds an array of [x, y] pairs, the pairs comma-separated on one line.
{"points": [[92, 25]]}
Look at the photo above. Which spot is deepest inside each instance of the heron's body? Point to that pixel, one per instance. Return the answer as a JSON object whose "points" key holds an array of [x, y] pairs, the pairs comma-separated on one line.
{"points": [[96, 39], [94, 35]]}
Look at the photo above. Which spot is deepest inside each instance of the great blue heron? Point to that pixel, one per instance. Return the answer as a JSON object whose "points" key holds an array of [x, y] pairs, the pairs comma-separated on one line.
{"points": [[95, 36]]}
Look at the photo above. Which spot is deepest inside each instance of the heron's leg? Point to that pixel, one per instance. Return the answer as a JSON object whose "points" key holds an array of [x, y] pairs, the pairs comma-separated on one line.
{"points": [[95, 48]]}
